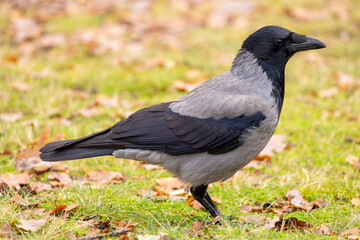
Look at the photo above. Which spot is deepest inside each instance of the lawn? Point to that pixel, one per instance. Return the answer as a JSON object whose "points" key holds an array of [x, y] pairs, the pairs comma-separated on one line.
{"points": [[80, 66]]}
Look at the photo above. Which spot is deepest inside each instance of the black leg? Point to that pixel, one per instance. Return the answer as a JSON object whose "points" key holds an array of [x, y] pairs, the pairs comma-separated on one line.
{"points": [[201, 195]]}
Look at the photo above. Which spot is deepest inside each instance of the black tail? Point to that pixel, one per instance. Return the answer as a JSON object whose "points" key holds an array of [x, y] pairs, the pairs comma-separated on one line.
{"points": [[94, 145]]}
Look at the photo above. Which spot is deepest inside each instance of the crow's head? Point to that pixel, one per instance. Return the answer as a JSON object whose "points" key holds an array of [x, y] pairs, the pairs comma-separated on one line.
{"points": [[274, 45]]}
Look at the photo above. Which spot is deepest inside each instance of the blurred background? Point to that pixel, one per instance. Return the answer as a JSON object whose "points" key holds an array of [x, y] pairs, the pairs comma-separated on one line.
{"points": [[79, 66]]}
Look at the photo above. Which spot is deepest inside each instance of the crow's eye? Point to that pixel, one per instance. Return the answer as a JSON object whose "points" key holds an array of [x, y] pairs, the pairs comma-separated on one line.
{"points": [[279, 42]]}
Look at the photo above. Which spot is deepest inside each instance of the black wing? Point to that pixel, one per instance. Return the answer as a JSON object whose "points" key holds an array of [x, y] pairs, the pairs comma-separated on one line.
{"points": [[159, 128]]}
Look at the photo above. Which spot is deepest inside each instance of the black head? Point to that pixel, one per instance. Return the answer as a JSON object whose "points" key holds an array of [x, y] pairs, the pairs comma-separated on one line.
{"points": [[274, 45]]}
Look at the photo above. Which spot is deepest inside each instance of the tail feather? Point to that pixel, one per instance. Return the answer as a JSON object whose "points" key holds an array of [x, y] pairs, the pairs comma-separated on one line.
{"points": [[94, 145]]}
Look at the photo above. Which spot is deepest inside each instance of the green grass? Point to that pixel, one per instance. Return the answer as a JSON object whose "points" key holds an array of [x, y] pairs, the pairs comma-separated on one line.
{"points": [[315, 164]]}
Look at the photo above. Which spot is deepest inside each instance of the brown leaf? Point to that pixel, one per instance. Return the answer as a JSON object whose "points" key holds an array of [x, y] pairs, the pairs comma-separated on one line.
{"points": [[256, 219], [20, 200], [21, 86], [71, 207], [295, 198], [62, 177], [168, 183], [104, 177], [6, 230], [275, 145], [31, 225], [16, 180], [107, 101], [58, 208], [30, 156], [76, 94], [306, 14], [24, 29], [150, 237], [38, 186], [185, 86], [345, 81], [327, 93], [323, 229], [351, 231], [196, 228], [355, 202], [291, 224], [353, 161], [11, 117]]}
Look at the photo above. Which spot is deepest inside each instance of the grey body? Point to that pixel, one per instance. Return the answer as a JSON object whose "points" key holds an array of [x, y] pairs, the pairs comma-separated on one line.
{"points": [[240, 92]]}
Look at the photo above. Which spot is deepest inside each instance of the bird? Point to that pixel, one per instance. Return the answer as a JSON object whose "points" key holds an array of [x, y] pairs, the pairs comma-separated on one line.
{"points": [[211, 132]]}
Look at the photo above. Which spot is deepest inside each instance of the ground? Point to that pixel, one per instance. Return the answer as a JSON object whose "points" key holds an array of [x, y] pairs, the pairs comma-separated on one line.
{"points": [[78, 67]]}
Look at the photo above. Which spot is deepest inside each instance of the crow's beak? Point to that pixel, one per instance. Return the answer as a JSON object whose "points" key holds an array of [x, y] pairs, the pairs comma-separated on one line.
{"points": [[308, 44]]}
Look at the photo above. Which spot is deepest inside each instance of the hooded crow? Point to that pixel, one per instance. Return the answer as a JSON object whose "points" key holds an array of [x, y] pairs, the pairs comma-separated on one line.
{"points": [[211, 132]]}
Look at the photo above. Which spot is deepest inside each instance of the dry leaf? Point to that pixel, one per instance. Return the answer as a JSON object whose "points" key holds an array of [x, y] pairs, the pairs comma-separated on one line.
{"points": [[323, 229], [21, 86], [16, 180], [58, 208], [25, 29], [6, 230], [256, 219], [107, 101], [29, 157], [20, 200], [104, 177], [185, 86], [275, 145], [150, 237], [354, 161], [31, 225], [355, 202], [291, 224], [63, 178], [10, 117], [306, 14], [327, 93], [345, 81], [295, 198], [351, 231], [169, 183]]}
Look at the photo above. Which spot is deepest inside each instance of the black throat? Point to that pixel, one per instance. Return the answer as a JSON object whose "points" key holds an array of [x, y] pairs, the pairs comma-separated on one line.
{"points": [[276, 73]]}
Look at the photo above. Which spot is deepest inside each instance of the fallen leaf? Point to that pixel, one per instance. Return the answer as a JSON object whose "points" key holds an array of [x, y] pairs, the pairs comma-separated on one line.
{"points": [[353, 161], [355, 202], [196, 229], [24, 29], [104, 177], [304, 14], [37, 211], [185, 86], [71, 207], [345, 81], [150, 237], [323, 229], [275, 145], [291, 224], [29, 157], [58, 208], [31, 225], [16, 180], [351, 231], [107, 101], [63, 178], [327, 93], [18, 199], [169, 183], [10, 117], [295, 198], [256, 219], [197, 206], [6, 230], [21, 86]]}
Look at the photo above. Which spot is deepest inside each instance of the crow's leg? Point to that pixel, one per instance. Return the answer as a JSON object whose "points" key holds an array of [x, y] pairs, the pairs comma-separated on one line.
{"points": [[201, 195]]}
